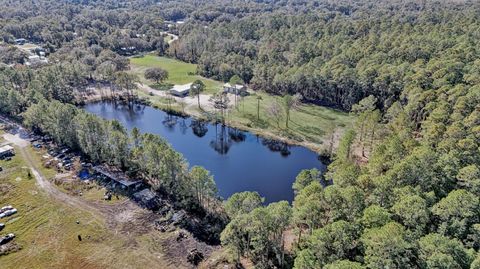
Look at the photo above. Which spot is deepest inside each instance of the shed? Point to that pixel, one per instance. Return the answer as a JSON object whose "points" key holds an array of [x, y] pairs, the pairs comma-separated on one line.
{"points": [[118, 177], [235, 89], [147, 198], [181, 90]]}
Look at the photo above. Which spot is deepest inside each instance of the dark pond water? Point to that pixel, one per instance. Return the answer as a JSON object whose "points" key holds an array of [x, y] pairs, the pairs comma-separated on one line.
{"points": [[238, 160]]}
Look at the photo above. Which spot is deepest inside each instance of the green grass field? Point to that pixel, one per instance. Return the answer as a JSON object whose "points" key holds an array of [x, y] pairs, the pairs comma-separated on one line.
{"points": [[179, 72], [308, 123]]}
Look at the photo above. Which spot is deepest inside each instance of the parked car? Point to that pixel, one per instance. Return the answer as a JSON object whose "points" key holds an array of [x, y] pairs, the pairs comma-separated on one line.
{"points": [[8, 213], [7, 238], [5, 208], [68, 166], [2, 225]]}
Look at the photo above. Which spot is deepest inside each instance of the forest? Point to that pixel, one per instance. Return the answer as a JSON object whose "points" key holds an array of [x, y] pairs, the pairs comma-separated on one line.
{"points": [[406, 178]]}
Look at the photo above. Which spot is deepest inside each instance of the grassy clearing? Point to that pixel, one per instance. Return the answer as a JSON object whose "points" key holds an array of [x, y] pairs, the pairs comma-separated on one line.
{"points": [[46, 230], [179, 72], [310, 125]]}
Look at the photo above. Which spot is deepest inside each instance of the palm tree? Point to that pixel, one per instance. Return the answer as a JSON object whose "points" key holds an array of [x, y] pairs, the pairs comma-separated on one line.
{"points": [[259, 98], [196, 88]]}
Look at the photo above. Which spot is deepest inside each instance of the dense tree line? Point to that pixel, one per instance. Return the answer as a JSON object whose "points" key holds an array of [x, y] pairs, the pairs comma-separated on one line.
{"points": [[339, 55], [143, 155], [414, 204]]}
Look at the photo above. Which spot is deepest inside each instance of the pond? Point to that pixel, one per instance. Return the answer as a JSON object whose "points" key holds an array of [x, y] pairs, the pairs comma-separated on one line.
{"points": [[238, 160]]}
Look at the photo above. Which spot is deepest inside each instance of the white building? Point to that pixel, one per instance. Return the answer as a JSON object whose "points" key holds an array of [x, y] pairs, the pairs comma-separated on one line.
{"points": [[181, 90], [6, 151], [235, 89]]}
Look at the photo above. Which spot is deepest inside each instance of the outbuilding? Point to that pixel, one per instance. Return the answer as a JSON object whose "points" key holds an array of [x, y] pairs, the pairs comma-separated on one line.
{"points": [[235, 89], [6, 151], [181, 90], [147, 198], [120, 179]]}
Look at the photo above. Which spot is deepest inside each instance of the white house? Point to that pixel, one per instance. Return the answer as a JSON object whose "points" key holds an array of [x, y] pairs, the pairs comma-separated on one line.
{"points": [[181, 90], [6, 151], [35, 59]]}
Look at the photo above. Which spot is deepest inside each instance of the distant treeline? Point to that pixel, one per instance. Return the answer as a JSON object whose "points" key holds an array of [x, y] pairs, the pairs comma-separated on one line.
{"points": [[406, 179], [338, 52]]}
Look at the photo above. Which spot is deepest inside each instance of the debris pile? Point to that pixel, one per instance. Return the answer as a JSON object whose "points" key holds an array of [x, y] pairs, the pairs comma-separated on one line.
{"points": [[194, 256]]}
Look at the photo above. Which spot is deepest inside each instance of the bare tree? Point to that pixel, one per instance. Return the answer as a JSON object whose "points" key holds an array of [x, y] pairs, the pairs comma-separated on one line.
{"points": [[275, 111], [290, 102]]}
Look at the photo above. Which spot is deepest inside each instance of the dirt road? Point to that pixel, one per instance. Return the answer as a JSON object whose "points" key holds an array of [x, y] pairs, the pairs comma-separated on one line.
{"points": [[125, 219], [44, 184]]}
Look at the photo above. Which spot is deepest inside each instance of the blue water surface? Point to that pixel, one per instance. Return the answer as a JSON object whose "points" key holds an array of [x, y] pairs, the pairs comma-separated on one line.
{"points": [[238, 160]]}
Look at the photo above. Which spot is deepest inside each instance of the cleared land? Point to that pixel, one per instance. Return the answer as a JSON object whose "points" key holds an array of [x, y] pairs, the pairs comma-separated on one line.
{"points": [[179, 72], [117, 235], [311, 125]]}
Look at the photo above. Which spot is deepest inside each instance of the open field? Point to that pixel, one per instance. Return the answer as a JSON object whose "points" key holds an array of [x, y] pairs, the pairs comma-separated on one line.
{"points": [[310, 125], [48, 222], [179, 72]]}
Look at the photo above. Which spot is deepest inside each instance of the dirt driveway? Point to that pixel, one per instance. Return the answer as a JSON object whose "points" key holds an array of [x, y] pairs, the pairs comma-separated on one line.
{"points": [[125, 218]]}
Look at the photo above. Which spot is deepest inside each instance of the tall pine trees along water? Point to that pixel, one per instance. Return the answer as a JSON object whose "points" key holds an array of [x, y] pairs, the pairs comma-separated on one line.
{"points": [[145, 155], [413, 204]]}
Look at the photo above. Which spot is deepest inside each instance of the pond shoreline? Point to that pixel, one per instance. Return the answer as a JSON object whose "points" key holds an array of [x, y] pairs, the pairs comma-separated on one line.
{"points": [[319, 149], [239, 160]]}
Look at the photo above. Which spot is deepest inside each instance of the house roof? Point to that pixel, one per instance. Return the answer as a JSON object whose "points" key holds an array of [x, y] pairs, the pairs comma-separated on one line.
{"points": [[236, 86], [6, 148], [116, 176], [181, 88]]}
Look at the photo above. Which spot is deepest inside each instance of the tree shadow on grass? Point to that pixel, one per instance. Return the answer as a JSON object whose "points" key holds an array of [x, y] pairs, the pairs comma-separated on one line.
{"points": [[161, 86], [255, 122]]}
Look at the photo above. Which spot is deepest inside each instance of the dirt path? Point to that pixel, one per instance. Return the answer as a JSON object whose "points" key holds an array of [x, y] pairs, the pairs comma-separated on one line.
{"points": [[44, 184], [174, 37], [101, 212], [191, 102]]}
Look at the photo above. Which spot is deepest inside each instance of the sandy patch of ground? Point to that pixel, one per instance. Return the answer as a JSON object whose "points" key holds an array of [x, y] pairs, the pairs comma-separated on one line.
{"points": [[16, 140]]}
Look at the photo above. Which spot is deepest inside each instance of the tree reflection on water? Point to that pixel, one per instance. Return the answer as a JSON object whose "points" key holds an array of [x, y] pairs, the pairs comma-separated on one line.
{"points": [[277, 146], [199, 127], [222, 142]]}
